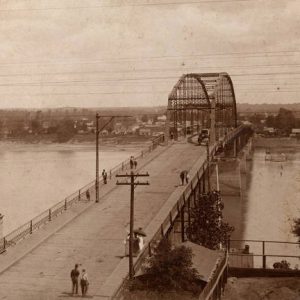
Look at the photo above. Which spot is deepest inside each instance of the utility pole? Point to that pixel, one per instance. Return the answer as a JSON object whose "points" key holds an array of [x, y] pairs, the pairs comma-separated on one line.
{"points": [[97, 147], [132, 184], [97, 157]]}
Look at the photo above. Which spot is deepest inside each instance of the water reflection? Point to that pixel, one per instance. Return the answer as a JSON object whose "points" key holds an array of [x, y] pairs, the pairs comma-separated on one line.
{"points": [[271, 204], [32, 181]]}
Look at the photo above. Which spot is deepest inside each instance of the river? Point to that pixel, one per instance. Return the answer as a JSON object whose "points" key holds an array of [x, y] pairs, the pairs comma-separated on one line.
{"points": [[33, 178], [272, 202]]}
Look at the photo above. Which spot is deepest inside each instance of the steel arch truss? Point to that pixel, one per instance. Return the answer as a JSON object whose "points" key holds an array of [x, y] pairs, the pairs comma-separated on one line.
{"points": [[197, 97]]}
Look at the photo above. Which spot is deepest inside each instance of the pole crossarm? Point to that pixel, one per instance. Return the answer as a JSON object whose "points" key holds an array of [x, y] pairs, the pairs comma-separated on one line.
{"points": [[135, 175], [136, 183]]}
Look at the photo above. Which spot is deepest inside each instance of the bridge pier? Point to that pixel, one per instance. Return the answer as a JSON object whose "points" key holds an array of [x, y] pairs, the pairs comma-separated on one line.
{"points": [[232, 181]]}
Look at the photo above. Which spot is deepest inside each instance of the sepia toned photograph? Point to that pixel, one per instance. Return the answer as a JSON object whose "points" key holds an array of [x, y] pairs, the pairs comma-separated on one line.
{"points": [[150, 149]]}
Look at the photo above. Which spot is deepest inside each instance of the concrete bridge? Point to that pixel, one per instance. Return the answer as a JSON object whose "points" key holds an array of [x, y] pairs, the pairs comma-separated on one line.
{"points": [[92, 234], [36, 259]]}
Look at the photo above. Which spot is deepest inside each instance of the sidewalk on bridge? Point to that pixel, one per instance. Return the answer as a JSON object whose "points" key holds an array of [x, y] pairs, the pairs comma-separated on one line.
{"points": [[40, 265], [16, 252]]}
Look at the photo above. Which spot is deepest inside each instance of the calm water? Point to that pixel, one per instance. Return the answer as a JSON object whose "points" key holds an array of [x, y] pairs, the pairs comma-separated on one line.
{"points": [[32, 180], [273, 201]]}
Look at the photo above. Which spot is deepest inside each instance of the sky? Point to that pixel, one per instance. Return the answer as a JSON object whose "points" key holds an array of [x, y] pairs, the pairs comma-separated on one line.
{"points": [[97, 53]]}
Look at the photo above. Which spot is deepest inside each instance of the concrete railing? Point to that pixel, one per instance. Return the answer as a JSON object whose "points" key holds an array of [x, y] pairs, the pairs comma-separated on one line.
{"points": [[215, 286], [220, 274], [46, 216], [167, 222]]}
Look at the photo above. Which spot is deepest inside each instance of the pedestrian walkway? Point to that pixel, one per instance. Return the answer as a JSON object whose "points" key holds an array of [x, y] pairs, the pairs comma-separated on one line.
{"points": [[91, 234]]}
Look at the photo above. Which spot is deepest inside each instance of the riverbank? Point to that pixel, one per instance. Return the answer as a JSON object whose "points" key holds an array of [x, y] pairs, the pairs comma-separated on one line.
{"points": [[106, 144]]}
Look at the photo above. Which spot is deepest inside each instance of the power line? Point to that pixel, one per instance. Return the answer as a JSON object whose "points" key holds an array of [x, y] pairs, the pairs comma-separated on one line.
{"points": [[88, 83], [199, 2], [147, 78], [136, 93], [264, 54]]}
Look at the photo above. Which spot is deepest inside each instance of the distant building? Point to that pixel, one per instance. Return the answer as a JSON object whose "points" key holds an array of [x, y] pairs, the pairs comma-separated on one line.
{"points": [[162, 118], [269, 131], [150, 130], [45, 126], [145, 131], [295, 133], [90, 126]]}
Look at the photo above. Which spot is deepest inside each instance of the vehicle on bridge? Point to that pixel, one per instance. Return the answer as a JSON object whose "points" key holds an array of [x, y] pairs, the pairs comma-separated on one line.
{"points": [[203, 137]]}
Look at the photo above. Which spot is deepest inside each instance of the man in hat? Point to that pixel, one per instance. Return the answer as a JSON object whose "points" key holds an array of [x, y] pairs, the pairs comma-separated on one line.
{"points": [[74, 277]]}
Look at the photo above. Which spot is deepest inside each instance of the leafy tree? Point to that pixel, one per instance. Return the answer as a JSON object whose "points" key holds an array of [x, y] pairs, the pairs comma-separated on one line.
{"points": [[256, 118], [16, 126], [65, 131], [169, 269], [285, 119], [207, 226], [35, 125], [271, 121], [144, 118]]}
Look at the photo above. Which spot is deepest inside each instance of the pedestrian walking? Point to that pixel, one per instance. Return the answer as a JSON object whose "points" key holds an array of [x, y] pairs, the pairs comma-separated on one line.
{"points": [[131, 162], [74, 278], [87, 194], [187, 177], [135, 163], [182, 175], [104, 176], [84, 282]]}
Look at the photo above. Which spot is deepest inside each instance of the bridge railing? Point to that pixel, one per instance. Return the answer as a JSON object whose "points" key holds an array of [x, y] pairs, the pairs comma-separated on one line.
{"points": [[216, 284], [263, 254], [46, 216], [166, 224]]}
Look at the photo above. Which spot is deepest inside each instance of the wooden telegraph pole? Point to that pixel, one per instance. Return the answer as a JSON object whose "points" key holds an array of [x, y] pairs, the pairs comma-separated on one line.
{"points": [[97, 157], [132, 184]]}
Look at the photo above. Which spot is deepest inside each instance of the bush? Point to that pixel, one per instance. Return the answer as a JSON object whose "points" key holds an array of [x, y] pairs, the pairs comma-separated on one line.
{"points": [[169, 269]]}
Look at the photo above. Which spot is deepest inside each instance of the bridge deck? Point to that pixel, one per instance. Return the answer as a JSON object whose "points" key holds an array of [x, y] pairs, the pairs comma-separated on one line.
{"points": [[94, 238]]}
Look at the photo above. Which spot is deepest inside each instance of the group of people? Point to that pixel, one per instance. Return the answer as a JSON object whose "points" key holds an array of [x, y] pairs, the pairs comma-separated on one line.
{"points": [[184, 177], [133, 162], [104, 176], [84, 282]]}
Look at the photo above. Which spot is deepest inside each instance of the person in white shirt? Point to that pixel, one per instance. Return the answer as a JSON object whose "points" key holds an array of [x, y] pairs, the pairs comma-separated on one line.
{"points": [[84, 282]]}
